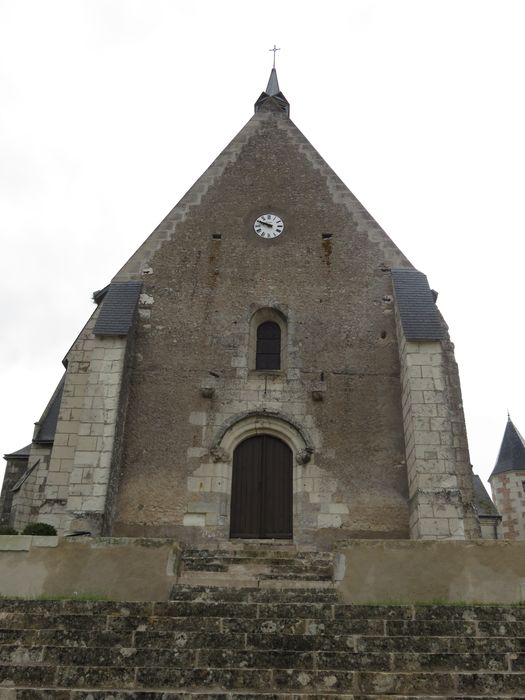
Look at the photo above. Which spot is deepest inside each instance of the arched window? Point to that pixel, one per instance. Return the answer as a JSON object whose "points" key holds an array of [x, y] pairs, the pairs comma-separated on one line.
{"points": [[268, 351]]}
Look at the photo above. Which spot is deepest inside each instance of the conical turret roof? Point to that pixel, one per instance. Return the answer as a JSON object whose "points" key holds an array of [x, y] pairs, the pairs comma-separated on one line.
{"points": [[511, 455]]}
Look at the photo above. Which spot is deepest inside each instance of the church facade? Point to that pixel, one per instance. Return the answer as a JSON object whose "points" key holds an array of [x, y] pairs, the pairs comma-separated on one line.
{"points": [[268, 364]]}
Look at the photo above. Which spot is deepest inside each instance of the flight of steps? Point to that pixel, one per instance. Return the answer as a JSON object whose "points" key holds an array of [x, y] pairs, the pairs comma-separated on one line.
{"points": [[242, 643], [259, 563]]}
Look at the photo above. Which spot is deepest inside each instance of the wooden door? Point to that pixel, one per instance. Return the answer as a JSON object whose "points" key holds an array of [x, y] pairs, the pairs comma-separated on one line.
{"points": [[261, 505]]}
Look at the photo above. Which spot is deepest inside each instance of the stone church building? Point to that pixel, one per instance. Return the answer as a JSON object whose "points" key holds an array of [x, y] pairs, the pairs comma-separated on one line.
{"points": [[268, 364]]}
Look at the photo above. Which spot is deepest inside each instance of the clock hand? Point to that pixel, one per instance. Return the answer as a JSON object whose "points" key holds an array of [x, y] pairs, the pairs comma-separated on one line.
{"points": [[264, 223]]}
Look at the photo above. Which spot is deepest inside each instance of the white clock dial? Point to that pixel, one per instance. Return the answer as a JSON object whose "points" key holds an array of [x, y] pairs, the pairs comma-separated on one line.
{"points": [[268, 226]]}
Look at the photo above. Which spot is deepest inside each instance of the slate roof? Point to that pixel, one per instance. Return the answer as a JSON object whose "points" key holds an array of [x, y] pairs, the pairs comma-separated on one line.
{"points": [[118, 308], [482, 501], [48, 422], [273, 97], [22, 453], [511, 455], [417, 308], [273, 84]]}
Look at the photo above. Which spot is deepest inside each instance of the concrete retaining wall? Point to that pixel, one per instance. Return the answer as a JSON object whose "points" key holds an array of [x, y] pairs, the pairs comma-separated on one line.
{"points": [[118, 569], [425, 571], [367, 571]]}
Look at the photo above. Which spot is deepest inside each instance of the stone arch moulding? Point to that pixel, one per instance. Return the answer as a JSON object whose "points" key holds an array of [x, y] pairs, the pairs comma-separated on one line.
{"points": [[245, 425]]}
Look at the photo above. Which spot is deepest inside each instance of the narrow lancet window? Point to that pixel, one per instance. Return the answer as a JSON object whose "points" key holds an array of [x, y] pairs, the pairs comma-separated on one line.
{"points": [[268, 354]]}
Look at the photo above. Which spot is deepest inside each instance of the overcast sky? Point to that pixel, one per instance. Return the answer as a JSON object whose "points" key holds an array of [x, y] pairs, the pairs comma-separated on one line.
{"points": [[111, 109]]}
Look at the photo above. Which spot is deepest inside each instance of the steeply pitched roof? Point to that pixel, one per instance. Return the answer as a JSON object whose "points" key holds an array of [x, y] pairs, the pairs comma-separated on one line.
{"points": [[22, 453], [270, 118], [46, 426], [511, 455], [417, 308], [118, 308], [482, 501]]}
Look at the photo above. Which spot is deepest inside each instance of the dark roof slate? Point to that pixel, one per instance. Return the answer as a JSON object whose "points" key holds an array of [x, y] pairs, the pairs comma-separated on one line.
{"points": [[482, 501], [511, 455], [417, 308], [273, 84], [273, 99], [118, 308], [99, 294], [47, 425], [22, 453]]}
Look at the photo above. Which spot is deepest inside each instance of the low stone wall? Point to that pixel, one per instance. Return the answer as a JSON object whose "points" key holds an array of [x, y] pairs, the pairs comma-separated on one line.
{"points": [[408, 571], [114, 568], [367, 571]]}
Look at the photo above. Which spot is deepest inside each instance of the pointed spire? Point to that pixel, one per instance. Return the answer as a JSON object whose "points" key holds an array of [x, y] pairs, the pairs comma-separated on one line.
{"points": [[273, 84], [512, 451], [273, 100]]}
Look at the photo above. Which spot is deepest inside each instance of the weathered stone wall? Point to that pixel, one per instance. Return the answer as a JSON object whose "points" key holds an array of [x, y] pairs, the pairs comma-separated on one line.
{"points": [[439, 472], [508, 493], [13, 471], [193, 376], [79, 468], [148, 426], [31, 496]]}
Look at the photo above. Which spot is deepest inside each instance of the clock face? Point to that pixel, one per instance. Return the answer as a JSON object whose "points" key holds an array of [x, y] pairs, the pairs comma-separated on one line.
{"points": [[268, 226]]}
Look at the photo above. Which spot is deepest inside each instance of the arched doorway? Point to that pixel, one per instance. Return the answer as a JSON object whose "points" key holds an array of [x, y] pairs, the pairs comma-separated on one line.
{"points": [[262, 500]]}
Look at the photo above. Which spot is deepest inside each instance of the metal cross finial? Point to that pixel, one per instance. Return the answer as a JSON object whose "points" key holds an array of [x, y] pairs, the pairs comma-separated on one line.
{"points": [[275, 49]]}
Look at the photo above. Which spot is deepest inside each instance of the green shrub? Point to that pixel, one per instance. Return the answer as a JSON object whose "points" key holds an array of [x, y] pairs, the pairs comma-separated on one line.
{"points": [[6, 530], [39, 529]]}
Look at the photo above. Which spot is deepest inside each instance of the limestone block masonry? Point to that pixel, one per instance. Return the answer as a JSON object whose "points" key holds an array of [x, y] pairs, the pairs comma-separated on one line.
{"points": [[438, 465], [80, 464], [508, 492], [31, 497]]}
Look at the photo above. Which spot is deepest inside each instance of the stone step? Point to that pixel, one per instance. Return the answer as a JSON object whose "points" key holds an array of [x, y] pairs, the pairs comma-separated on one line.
{"points": [[253, 642], [496, 620], [307, 576], [227, 579], [253, 595], [105, 694], [253, 680], [258, 553], [268, 562], [364, 630], [194, 655], [94, 694], [251, 565], [334, 616], [270, 636]]}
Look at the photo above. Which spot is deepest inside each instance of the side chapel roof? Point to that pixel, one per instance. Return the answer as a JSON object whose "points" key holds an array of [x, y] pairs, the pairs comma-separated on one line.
{"points": [[46, 426], [483, 503], [417, 305], [22, 453]]}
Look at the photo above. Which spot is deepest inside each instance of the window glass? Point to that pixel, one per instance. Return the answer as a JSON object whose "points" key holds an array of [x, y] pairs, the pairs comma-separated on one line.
{"points": [[268, 353]]}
